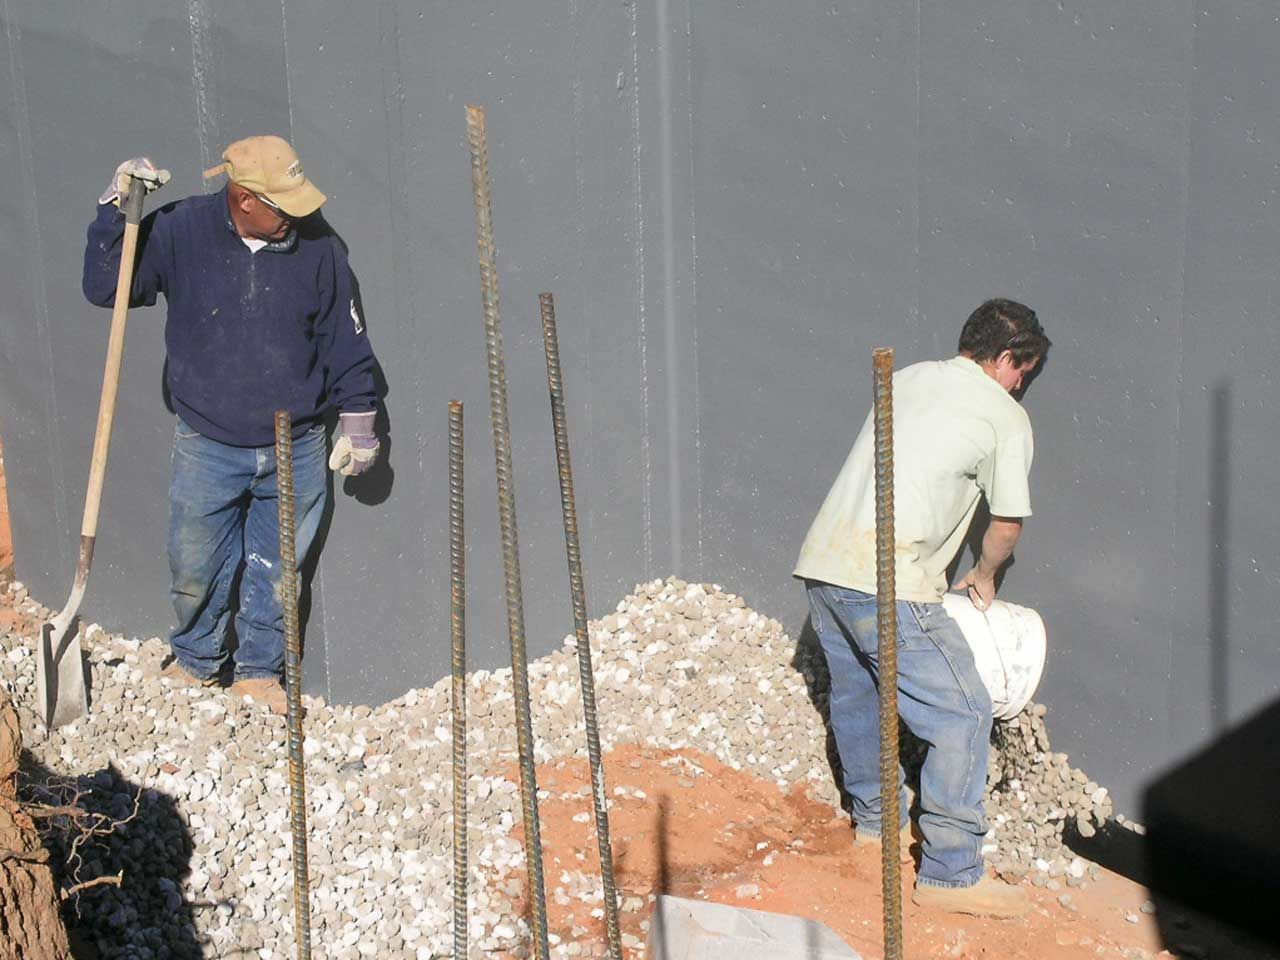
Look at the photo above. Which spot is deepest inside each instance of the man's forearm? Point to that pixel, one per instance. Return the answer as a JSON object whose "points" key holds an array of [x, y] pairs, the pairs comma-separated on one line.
{"points": [[998, 543]]}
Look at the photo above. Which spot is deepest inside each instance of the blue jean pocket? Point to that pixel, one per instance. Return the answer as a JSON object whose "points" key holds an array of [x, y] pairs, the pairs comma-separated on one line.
{"points": [[861, 612], [854, 602]]}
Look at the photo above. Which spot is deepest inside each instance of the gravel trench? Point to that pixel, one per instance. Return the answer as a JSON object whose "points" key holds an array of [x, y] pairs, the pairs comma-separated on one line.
{"points": [[206, 860]]}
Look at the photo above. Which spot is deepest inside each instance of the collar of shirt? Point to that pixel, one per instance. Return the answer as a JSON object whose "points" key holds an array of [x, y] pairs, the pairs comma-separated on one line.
{"points": [[283, 245], [971, 366]]}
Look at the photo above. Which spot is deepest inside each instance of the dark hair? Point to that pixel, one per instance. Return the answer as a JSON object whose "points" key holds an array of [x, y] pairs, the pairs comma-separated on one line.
{"points": [[1000, 325]]}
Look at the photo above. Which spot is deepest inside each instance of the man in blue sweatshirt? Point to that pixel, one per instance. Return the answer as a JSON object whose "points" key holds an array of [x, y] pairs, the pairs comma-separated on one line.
{"points": [[262, 317]]}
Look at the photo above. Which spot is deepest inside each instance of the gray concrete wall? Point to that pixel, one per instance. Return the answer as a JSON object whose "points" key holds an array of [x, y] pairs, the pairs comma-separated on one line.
{"points": [[733, 204]]}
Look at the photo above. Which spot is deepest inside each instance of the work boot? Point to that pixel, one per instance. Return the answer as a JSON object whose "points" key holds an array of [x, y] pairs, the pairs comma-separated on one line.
{"points": [[182, 677], [988, 897], [905, 840], [264, 690]]}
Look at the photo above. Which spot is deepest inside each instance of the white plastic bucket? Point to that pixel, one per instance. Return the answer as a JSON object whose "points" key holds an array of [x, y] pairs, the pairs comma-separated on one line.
{"points": [[1009, 647]]}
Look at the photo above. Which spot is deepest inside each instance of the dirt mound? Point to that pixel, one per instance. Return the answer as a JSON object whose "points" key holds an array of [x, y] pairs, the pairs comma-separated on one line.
{"points": [[686, 824], [31, 925]]}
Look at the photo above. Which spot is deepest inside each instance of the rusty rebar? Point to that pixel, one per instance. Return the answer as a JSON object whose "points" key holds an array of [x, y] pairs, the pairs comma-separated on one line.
{"points": [[293, 685], [887, 626], [458, 633], [477, 140], [578, 595]]}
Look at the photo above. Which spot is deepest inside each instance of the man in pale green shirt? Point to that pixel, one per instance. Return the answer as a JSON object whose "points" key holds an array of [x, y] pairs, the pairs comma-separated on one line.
{"points": [[959, 435]]}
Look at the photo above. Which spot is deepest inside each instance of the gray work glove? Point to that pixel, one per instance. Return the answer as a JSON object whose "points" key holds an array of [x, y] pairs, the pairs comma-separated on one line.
{"points": [[357, 449], [139, 168]]}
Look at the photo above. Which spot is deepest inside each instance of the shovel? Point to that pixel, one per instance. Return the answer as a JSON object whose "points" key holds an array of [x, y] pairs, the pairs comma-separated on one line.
{"points": [[60, 667]]}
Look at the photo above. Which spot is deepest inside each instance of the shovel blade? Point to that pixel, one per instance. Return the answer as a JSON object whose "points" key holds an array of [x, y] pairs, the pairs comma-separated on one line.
{"points": [[60, 676]]}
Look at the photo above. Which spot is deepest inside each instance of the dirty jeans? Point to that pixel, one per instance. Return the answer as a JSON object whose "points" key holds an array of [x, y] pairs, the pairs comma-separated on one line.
{"points": [[223, 517], [941, 699]]}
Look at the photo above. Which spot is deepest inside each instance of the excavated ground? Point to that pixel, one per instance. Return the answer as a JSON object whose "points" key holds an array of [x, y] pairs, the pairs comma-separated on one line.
{"points": [[717, 765], [686, 824]]}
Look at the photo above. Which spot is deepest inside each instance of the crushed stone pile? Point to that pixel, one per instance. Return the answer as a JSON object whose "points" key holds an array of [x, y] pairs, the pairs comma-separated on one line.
{"points": [[206, 857], [1035, 798]]}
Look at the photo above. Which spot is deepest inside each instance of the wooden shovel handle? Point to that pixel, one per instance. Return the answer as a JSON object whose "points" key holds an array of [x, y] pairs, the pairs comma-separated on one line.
{"points": [[111, 376]]}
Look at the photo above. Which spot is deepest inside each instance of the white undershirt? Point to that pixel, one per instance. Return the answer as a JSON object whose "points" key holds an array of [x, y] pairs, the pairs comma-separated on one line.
{"points": [[253, 243]]}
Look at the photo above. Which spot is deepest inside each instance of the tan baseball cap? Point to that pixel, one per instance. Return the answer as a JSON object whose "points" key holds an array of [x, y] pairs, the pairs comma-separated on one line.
{"points": [[269, 166]]}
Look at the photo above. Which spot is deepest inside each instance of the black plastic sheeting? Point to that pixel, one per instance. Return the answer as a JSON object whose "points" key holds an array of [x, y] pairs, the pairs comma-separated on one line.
{"points": [[733, 205]]}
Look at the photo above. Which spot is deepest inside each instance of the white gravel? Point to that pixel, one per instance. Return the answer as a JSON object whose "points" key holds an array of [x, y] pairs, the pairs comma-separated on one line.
{"points": [[207, 861]]}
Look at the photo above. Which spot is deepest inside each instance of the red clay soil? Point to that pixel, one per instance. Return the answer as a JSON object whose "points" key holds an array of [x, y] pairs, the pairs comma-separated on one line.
{"points": [[724, 836], [6, 540], [13, 620]]}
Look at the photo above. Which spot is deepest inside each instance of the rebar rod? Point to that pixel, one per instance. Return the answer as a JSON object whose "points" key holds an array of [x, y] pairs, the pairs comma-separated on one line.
{"points": [[293, 685], [578, 594], [458, 632], [478, 143], [887, 626]]}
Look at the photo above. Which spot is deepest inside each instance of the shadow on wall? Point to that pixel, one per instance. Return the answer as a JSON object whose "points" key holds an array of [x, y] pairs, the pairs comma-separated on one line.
{"points": [[1211, 851], [1213, 834]]}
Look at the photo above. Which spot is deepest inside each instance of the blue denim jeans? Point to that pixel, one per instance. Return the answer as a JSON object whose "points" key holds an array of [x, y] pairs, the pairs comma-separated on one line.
{"points": [[223, 516], [941, 699]]}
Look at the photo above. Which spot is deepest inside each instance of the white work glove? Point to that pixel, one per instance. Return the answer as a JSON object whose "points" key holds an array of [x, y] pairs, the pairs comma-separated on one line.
{"points": [[139, 168], [357, 449]]}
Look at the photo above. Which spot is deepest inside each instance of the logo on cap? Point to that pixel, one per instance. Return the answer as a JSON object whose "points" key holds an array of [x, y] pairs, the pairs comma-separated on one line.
{"points": [[294, 170]]}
